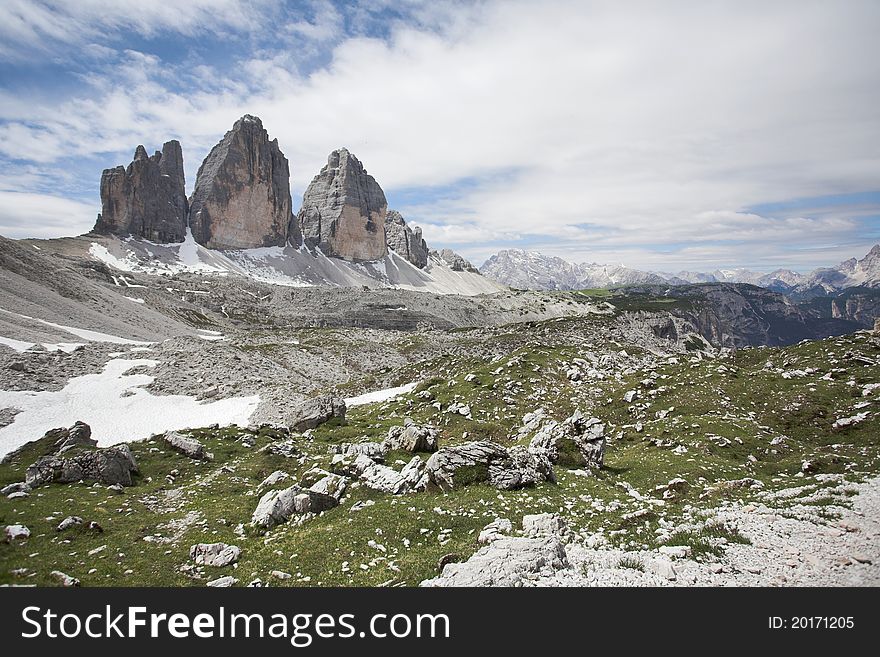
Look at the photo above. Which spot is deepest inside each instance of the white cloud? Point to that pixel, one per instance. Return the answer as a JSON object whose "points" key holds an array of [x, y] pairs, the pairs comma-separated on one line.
{"points": [[43, 25], [598, 124], [41, 215]]}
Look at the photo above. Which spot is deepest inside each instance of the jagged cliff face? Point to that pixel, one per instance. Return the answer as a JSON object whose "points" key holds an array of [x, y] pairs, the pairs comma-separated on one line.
{"points": [[147, 199], [241, 198], [405, 241], [454, 261], [343, 211]]}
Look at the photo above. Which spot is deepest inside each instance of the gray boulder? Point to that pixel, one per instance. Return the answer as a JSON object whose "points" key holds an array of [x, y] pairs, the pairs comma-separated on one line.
{"points": [[16, 533], [412, 438], [68, 522], [453, 467], [11, 489], [79, 435], [577, 441], [313, 412], [412, 478], [521, 468], [279, 506], [544, 524], [113, 465], [214, 554], [187, 446]]}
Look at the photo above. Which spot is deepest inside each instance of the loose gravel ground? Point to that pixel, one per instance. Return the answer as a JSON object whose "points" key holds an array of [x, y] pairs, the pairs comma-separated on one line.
{"points": [[792, 546]]}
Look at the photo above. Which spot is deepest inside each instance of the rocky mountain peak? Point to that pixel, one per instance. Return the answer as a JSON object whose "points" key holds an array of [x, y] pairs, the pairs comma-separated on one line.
{"points": [[148, 198], [405, 241], [343, 210], [241, 198]]}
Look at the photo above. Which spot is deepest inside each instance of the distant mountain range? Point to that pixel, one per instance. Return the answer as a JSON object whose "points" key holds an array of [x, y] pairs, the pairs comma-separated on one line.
{"points": [[535, 271]]}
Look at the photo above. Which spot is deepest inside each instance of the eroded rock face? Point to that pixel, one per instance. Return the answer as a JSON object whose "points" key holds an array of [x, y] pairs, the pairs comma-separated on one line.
{"points": [[343, 211], [242, 195], [405, 241], [147, 199]]}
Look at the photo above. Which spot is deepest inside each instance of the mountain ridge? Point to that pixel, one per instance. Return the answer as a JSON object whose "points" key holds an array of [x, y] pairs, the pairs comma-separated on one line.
{"points": [[533, 270]]}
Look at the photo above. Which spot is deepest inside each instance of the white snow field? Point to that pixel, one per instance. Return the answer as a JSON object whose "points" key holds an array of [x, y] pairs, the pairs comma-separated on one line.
{"points": [[380, 395], [116, 407]]}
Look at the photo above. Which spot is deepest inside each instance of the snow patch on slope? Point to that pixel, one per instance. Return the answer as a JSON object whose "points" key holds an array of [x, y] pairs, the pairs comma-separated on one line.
{"points": [[116, 407]]}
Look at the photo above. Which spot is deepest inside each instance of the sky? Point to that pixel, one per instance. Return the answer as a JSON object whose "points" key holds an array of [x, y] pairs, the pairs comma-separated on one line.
{"points": [[663, 136]]}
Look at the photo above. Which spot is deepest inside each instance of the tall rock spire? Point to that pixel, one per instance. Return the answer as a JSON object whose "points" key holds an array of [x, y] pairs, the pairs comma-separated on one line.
{"points": [[241, 198], [147, 199], [405, 241], [343, 211]]}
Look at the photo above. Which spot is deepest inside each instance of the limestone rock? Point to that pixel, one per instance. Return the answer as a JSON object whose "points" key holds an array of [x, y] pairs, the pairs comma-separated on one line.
{"points": [[412, 438], [222, 582], [375, 451], [214, 554], [79, 435], [521, 468], [274, 479], [18, 487], [405, 241], [343, 211], [505, 562], [241, 198], [544, 524], [113, 465], [310, 413], [496, 529], [576, 441], [68, 522], [187, 446], [277, 507], [16, 532], [453, 467], [64, 579], [147, 199], [412, 478]]}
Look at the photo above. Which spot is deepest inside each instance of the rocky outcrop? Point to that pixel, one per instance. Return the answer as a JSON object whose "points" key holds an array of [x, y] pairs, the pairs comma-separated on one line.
{"points": [[412, 478], [453, 467], [147, 199], [454, 261], [577, 441], [343, 211], [412, 438], [511, 561], [241, 198], [113, 465], [405, 241], [312, 412]]}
